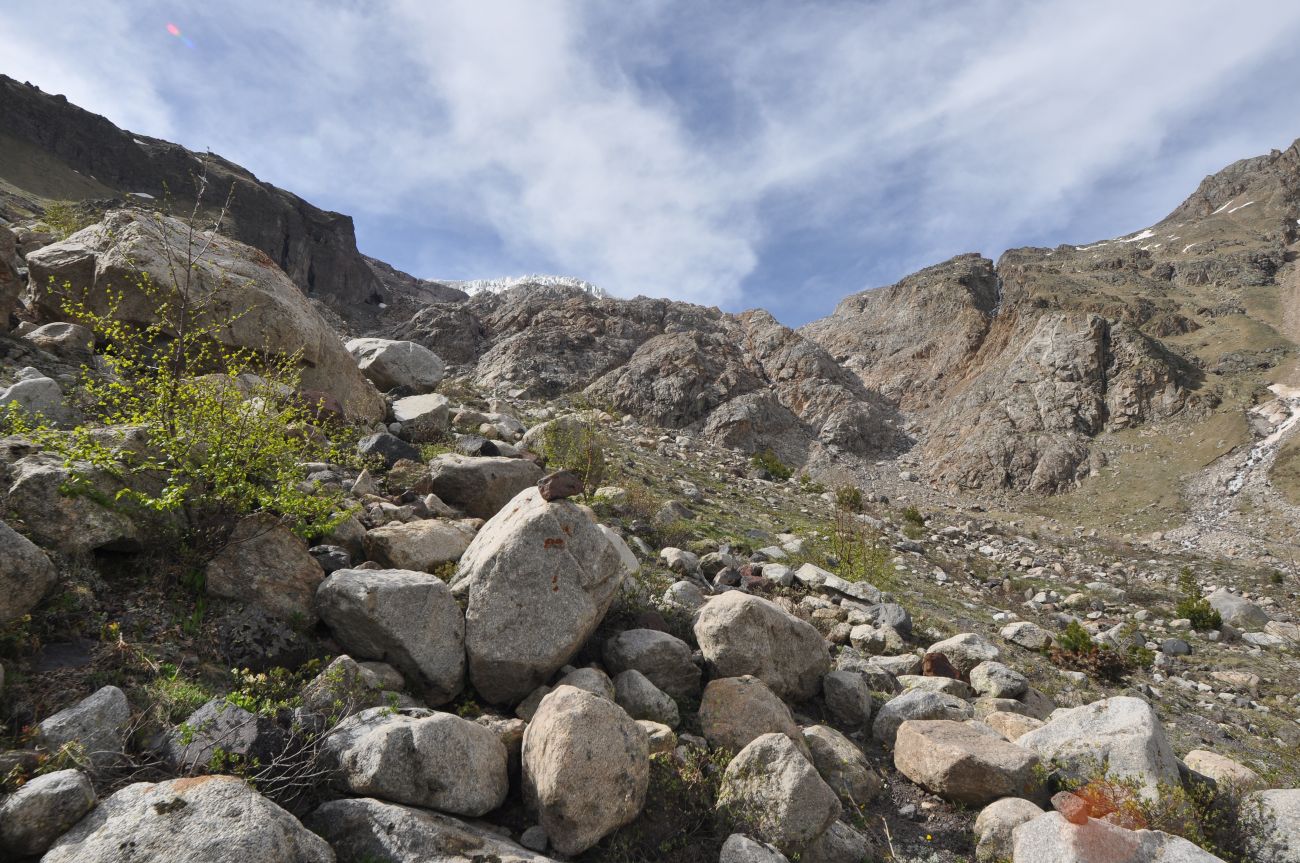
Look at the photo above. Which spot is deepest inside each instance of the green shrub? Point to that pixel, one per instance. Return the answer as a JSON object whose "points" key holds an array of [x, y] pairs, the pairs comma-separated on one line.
{"points": [[1193, 606], [67, 217], [767, 460], [849, 498], [225, 430], [576, 445], [1076, 650], [912, 515], [808, 485]]}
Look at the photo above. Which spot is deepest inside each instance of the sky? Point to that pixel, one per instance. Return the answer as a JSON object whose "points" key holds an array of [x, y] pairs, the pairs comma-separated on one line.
{"points": [[738, 153]]}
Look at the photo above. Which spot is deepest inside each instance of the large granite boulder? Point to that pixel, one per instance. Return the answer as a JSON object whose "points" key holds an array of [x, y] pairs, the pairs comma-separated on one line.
{"points": [[480, 487], [366, 829], [1121, 736], [777, 790], [741, 634], [269, 312], [418, 757], [392, 364], [536, 581], [962, 763], [586, 768], [25, 574], [407, 619], [265, 564], [205, 819], [1050, 838]]}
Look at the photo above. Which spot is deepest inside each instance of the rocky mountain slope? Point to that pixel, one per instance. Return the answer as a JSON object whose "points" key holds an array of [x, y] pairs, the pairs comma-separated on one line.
{"points": [[52, 150], [551, 608]]}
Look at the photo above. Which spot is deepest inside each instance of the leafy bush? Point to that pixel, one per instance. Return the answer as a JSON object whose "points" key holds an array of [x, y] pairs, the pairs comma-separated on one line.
{"points": [[67, 217], [1193, 606], [849, 498], [767, 460], [912, 515], [808, 485], [576, 445], [1076, 650], [225, 430]]}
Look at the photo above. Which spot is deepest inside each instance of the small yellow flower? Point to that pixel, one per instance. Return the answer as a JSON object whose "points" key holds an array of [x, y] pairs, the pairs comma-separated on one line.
{"points": [[928, 837]]}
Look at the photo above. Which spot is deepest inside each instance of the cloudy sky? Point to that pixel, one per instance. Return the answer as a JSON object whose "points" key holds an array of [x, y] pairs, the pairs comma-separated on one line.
{"points": [[737, 153]]}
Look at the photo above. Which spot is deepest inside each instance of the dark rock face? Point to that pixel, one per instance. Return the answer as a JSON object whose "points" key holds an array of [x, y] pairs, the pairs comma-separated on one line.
{"points": [[316, 248]]}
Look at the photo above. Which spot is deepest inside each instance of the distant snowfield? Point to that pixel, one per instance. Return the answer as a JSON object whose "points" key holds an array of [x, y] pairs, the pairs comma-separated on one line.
{"points": [[498, 286]]}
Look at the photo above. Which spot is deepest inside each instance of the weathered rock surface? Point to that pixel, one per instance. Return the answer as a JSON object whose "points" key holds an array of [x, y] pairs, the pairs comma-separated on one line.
{"points": [[634, 692], [848, 698], [74, 524], [273, 313], [966, 650], [266, 564], [418, 757], [1224, 771], [407, 619], [366, 829], [916, 704], [735, 710], [995, 824], [1237, 611], [424, 418], [98, 723], [772, 783], [585, 768], [1049, 838], [664, 659], [1275, 825], [392, 364], [739, 848], [1120, 735], [962, 764], [842, 765], [741, 634], [219, 726], [25, 574], [537, 579], [206, 819], [422, 545], [481, 487], [42, 810]]}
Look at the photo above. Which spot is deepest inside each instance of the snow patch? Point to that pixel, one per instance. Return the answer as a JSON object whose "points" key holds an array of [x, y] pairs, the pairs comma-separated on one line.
{"points": [[141, 143], [144, 195], [1145, 235], [1188, 246], [1097, 246], [500, 286], [1221, 209], [1242, 207]]}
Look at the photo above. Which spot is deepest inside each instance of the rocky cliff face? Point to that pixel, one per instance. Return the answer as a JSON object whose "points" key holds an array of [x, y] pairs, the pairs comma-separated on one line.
{"points": [[1011, 370], [317, 249], [746, 380]]}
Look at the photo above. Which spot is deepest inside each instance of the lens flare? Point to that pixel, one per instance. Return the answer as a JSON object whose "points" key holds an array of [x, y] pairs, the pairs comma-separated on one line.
{"points": [[176, 31]]}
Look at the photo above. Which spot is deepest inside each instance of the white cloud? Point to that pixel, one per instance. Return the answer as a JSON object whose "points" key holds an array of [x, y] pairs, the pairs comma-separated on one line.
{"points": [[664, 147]]}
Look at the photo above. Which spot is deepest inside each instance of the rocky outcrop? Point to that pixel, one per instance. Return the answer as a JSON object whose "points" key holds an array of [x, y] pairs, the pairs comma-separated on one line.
{"points": [[42, 810], [267, 311], [316, 248], [263, 563], [744, 381]]}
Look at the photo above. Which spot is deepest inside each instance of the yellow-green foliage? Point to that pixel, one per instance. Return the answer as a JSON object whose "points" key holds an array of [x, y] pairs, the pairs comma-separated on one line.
{"points": [[576, 445], [66, 217], [768, 461], [225, 433]]}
